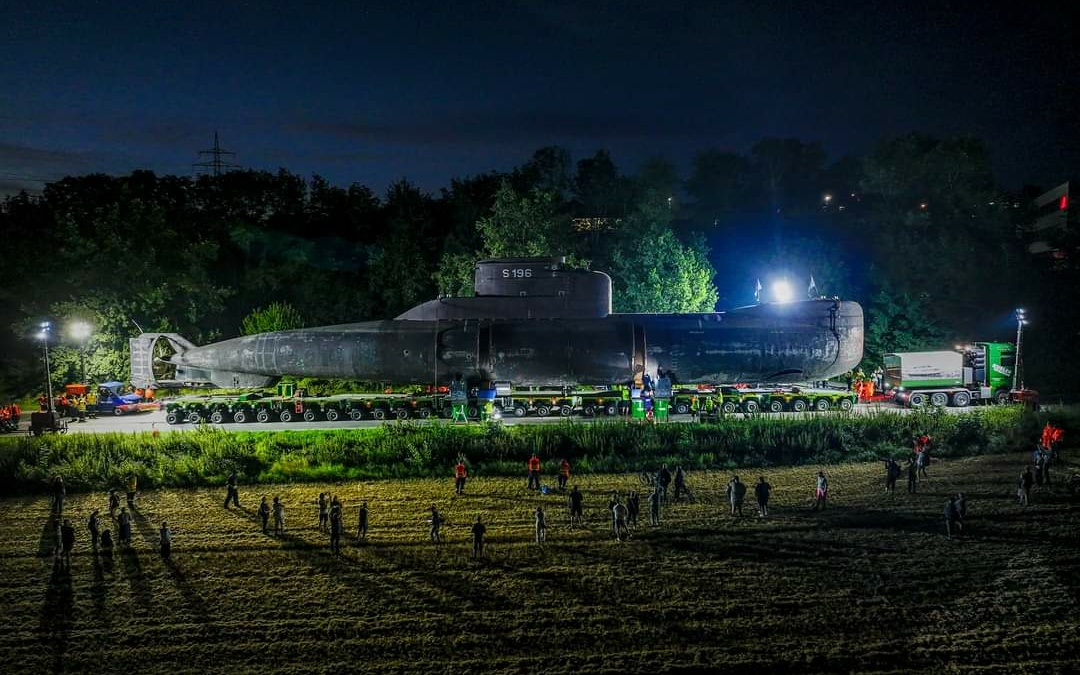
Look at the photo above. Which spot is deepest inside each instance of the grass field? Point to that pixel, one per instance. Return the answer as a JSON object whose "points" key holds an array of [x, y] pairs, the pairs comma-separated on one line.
{"points": [[870, 585]]}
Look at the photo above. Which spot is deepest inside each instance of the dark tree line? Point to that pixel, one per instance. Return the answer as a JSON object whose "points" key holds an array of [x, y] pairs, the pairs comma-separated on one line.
{"points": [[917, 231]]}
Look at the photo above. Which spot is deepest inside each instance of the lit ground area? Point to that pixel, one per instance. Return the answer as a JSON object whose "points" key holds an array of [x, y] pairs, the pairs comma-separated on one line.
{"points": [[870, 585]]}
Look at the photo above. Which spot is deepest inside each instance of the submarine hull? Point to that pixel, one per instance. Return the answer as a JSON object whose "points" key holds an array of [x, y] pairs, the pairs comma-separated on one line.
{"points": [[800, 341]]}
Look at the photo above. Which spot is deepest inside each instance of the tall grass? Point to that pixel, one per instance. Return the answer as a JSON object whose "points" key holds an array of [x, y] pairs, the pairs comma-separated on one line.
{"points": [[206, 456]]}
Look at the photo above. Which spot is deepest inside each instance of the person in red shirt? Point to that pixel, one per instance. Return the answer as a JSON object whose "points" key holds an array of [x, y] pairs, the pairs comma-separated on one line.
{"points": [[534, 472], [460, 474], [564, 474]]}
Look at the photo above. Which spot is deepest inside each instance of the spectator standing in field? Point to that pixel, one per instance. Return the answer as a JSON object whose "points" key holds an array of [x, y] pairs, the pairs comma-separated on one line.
{"points": [[951, 518], [94, 525], [1024, 486], [335, 505], [654, 506], [664, 480], [165, 534], [922, 455], [1047, 460], [541, 524], [132, 488], [362, 525], [618, 522], [232, 494], [436, 521], [612, 501], [761, 493], [736, 492], [633, 509], [67, 538], [279, 516], [324, 513], [460, 474], [680, 482], [912, 476], [534, 472], [264, 515], [892, 472], [576, 502], [58, 494], [114, 504], [564, 474], [478, 532], [335, 529], [821, 491], [961, 512], [125, 527]]}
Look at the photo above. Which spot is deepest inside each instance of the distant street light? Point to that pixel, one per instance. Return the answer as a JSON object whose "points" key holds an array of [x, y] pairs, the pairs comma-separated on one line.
{"points": [[80, 332], [46, 328], [1021, 321], [827, 198]]}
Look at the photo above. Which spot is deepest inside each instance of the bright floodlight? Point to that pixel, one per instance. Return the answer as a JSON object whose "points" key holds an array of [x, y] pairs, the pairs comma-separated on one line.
{"points": [[80, 330], [43, 335], [782, 291]]}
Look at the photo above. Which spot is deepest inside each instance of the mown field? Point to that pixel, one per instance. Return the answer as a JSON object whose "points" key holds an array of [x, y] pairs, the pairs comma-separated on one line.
{"points": [[870, 585]]}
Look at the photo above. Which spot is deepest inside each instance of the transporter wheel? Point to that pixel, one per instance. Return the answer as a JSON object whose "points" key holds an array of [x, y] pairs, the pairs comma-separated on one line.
{"points": [[543, 410], [520, 411], [332, 415], [310, 416], [378, 414], [172, 417], [217, 417], [472, 412], [682, 408], [728, 407], [566, 411], [589, 411], [939, 399], [822, 404], [402, 413], [799, 405], [263, 416], [1001, 397], [776, 405], [241, 417], [194, 417], [961, 399], [751, 406], [846, 404], [424, 413], [356, 414], [917, 400], [611, 410], [286, 415]]}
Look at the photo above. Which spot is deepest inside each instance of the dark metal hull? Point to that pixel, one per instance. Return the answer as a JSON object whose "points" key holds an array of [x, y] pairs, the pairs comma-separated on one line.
{"points": [[800, 341]]}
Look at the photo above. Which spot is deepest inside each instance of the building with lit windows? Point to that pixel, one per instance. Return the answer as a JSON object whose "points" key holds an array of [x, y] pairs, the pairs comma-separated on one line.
{"points": [[1052, 221]]}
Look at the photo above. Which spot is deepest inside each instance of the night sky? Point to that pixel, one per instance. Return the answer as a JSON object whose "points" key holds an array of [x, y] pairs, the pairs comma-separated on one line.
{"points": [[432, 90]]}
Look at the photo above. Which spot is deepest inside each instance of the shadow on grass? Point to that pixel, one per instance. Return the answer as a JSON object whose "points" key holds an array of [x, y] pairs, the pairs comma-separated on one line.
{"points": [[57, 614]]}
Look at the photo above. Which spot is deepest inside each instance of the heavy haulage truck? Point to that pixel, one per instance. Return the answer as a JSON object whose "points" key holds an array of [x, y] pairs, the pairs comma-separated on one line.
{"points": [[981, 372], [289, 405]]}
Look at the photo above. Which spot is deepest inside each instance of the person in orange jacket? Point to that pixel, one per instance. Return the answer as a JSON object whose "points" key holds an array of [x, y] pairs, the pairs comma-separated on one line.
{"points": [[460, 474], [534, 472], [564, 474]]}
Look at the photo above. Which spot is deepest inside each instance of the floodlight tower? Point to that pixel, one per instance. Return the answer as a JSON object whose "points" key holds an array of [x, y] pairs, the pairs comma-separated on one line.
{"points": [[80, 332], [46, 327], [1021, 321]]}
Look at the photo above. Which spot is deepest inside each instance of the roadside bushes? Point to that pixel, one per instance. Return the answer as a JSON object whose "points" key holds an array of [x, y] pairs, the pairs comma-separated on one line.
{"points": [[407, 449]]}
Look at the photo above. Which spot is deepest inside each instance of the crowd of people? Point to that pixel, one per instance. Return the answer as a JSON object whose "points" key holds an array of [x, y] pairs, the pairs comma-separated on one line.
{"points": [[10, 415], [623, 511]]}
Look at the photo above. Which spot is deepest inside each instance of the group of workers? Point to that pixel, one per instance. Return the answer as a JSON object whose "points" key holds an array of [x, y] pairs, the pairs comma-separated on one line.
{"points": [[74, 406], [9, 417]]}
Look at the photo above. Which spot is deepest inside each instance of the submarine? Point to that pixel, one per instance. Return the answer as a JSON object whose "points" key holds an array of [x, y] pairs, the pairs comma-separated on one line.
{"points": [[531, 322]]}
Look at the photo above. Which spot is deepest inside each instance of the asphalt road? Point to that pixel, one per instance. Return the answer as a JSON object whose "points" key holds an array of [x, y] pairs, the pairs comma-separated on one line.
{"points": [[150, 421]]}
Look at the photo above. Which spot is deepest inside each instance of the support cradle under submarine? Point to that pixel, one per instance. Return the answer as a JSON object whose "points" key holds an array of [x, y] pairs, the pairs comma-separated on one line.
{"points": [[533, 322]]}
